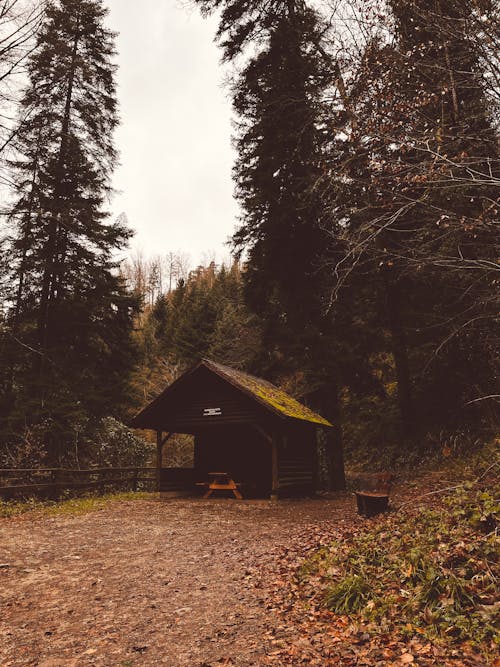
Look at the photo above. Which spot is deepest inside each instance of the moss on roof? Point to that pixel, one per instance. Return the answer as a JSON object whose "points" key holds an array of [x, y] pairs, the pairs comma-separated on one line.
{"points": [[267, 393]]}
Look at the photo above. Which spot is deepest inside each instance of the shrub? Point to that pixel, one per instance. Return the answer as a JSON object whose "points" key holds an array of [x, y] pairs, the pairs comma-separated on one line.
{"points": [[348, 596]]}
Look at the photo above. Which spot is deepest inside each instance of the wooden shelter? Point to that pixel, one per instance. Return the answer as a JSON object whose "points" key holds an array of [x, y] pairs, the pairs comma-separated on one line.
{"points": [[242, 425]]}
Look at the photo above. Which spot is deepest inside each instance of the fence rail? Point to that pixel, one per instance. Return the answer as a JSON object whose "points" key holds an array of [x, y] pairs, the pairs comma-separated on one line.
{"points": [[52, 482]]}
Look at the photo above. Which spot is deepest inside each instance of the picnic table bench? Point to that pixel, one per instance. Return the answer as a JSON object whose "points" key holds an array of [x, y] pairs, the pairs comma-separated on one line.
{"points": [[220, 481]]}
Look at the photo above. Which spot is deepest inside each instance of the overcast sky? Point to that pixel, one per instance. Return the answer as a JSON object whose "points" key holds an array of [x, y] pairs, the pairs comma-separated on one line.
{"points": [[176, 157]]}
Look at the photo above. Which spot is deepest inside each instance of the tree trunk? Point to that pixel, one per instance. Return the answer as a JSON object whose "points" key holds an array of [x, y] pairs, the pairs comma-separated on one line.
{"points": [[400, 354], [25, 246], [335, 446], [328, 405], [51, 266]]}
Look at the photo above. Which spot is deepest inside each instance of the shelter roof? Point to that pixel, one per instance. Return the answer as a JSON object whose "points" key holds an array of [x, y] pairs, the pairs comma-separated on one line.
{"points": [[267, 393], [263, 392]]}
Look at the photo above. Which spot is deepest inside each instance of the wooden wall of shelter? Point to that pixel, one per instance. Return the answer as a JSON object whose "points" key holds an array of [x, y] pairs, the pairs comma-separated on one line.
{"points": [[242, 425]]}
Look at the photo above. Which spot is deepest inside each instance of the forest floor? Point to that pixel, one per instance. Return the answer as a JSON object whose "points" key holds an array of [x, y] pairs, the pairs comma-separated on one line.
{"points": [[178, 583]]}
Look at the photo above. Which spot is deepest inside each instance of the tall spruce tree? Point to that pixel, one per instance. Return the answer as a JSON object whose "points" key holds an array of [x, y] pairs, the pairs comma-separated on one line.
{"points": [[71, 316]]}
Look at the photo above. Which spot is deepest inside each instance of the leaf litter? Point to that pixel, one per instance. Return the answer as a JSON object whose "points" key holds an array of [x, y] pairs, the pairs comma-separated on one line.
{"points": [[196, 583]]}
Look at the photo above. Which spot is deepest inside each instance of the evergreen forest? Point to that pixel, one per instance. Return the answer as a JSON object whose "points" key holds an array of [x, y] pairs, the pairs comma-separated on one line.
{"points": [[363, 276]]}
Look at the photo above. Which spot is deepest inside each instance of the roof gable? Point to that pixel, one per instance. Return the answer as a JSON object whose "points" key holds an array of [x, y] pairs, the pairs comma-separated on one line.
{"points": [[260, 391]]}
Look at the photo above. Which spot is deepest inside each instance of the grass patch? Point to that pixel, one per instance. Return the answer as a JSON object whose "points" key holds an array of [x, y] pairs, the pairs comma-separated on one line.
{"points": [[349, 595], [81, 505], [421, 572]]}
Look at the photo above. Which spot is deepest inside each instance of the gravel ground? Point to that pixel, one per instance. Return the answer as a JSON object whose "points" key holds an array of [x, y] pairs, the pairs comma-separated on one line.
{"points": [[175, 583]]}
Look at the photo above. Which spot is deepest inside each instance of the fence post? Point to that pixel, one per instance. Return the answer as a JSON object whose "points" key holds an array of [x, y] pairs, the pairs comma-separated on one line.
{"points": [[100, 478], [57, 481], [135, 479]]}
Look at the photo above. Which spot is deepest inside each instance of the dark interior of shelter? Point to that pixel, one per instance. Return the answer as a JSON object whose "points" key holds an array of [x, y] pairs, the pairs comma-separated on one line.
{"points": [[241, 451]]}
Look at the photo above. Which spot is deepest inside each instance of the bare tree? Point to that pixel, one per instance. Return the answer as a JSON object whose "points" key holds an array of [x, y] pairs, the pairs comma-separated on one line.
{"points": [[20, 21], [177, 265], [412, 172], [379, 125], [153, 276]]}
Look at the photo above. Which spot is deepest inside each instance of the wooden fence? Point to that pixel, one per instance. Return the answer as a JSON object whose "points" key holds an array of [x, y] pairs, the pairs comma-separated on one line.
{"points": [[52, 482]]}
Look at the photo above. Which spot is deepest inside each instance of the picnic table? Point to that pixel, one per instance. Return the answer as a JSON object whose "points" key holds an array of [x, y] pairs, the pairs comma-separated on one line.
{"points": [[220, 481]]}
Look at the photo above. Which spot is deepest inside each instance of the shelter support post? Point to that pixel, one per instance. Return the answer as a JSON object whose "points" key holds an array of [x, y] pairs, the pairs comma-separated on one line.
{"points": [[160, 441], [275, 471], [159, 449]]}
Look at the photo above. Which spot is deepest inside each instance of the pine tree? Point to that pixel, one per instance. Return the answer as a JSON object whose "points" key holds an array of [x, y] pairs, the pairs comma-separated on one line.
{"points": [[70, 307], [278, 101], [236, 337], [194, 326]]}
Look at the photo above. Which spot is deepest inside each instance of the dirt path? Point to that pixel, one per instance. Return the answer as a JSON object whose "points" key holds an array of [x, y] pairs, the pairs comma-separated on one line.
{"points": [[169, 583]]}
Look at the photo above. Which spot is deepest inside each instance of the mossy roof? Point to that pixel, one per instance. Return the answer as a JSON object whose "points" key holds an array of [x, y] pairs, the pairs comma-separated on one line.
{"points": [[266, 393]]}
